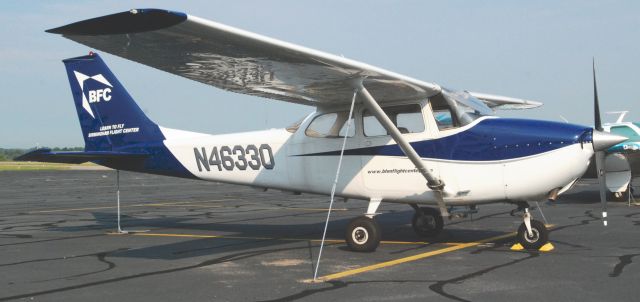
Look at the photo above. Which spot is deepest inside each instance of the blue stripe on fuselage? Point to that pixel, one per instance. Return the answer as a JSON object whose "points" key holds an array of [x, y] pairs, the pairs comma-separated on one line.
{"points": [[491, 139]]}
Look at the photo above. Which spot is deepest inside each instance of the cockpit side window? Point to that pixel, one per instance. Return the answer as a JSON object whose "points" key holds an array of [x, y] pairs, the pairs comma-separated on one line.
{"points": [[331, 125], [442, 112], [408, 119]]}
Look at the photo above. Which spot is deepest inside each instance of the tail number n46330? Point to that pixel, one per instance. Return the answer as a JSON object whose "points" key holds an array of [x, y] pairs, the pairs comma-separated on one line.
{"points": [[235, 157]]}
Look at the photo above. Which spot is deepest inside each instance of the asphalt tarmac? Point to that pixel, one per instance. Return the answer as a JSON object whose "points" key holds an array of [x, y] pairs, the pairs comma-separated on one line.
{"points": [[200, 241]]}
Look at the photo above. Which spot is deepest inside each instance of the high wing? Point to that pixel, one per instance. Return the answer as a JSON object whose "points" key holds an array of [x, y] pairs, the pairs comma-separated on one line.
{"points": [[245, 62]]}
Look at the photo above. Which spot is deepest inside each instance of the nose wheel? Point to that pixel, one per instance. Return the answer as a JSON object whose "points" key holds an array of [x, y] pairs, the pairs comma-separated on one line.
{"points": [[539, 235], [427, 222], [363, 234], [532, 234]]}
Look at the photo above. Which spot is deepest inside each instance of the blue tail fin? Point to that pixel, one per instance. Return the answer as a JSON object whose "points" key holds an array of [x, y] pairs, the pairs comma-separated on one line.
{"points": [[109, 117]]}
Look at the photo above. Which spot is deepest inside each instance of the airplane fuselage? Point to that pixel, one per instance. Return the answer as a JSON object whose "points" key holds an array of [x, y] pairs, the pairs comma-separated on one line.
{"points": [[490, 160]]}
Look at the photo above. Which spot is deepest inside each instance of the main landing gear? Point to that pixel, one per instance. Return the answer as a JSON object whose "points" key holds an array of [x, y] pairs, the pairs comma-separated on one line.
{"points": [[532, 234], [426, 222], [363, 233]]}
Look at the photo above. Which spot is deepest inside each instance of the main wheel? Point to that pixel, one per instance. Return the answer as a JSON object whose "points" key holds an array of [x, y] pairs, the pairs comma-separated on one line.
{"points": [[363, 234], [427, 222], [540, 235]]}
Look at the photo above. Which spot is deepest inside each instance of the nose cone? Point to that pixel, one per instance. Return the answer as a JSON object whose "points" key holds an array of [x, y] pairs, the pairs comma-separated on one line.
{"points": [[603, 140]]}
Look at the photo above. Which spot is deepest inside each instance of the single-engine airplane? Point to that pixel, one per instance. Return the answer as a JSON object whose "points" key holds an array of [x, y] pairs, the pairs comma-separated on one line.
{"points": [[407, 141]]}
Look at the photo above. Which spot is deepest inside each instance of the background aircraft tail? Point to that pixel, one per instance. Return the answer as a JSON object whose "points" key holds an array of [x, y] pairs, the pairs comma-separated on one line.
{"points": [[109, 117]]}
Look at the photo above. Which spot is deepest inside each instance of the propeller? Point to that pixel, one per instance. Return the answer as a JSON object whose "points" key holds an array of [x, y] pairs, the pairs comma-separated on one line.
{"points": [[601, 142], [600, 155]]}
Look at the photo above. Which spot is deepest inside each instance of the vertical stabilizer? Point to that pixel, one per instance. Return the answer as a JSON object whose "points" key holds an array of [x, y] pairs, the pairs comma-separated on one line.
{"points": [[108, 116]]}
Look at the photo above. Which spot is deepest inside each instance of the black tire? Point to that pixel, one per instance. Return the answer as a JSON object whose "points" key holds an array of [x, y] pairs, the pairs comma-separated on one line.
{"points": [[540, 235], [427, 222], [363, 234]]}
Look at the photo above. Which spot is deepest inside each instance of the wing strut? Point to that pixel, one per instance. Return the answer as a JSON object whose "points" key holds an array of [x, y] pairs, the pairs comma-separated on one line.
{"points": [[433, 182]]}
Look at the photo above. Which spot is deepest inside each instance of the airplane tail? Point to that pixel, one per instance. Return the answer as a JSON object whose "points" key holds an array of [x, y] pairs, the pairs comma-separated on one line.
{"points": [[109, 117], [116, 132]]}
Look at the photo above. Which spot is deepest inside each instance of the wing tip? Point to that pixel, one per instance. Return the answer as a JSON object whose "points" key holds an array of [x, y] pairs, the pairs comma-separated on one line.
{"points": [[535, 104], [132, 21]]}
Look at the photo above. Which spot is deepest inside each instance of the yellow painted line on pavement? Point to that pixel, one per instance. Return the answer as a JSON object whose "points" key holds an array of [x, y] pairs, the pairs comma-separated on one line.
{"points": [[368, 268], [174, 235], [308, 209], [70, 210], [175, 204], [129, 206]]}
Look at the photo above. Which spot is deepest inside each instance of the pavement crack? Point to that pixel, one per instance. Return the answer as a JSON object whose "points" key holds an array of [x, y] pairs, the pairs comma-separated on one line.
{"points": [[308, 292], [335, 285], [53, 239], [227, 258], [438, 287], [21, 236], [64, 258], [624, 261], [588, 214]]}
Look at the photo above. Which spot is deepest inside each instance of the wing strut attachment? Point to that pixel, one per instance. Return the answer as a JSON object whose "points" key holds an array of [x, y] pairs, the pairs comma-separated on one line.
{"points": [[433, 182]]}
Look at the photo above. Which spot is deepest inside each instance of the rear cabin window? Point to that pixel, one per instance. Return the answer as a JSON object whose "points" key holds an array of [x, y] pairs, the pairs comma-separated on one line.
{"points": [[331, 125], [408, 119]]}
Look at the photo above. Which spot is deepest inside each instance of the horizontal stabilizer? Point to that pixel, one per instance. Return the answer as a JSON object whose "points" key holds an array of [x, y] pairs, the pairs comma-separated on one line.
{"points": [[46, 155]]}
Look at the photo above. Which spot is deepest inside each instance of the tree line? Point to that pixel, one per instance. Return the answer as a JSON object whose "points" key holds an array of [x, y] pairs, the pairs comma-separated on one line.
{"points": [[10, 154]]}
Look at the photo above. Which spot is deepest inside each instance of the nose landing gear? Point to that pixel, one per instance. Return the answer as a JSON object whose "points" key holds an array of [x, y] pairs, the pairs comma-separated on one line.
{"points": [[532, 234]]}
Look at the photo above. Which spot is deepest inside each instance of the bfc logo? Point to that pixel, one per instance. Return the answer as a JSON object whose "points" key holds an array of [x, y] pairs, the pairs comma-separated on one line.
{"points": [[95, 96]]}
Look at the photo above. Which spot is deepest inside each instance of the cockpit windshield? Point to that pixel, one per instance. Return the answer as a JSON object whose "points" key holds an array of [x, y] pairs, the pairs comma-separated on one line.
{"points": [[453, 109]]}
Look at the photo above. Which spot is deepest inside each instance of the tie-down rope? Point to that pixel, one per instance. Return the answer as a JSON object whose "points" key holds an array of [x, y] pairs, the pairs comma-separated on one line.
{"points": [[335, 183]]}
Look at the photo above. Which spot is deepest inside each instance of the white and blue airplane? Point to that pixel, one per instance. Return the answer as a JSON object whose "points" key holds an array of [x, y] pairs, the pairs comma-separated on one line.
{"points": [[382, 125]]}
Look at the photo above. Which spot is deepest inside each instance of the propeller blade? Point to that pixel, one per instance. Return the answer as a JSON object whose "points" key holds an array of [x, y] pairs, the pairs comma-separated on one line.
{"points": [[600, 153], [596, 104], [602, 180]]}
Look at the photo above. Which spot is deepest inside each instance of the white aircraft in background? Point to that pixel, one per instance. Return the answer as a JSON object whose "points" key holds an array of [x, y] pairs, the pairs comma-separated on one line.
{"points": [[405, 140]]}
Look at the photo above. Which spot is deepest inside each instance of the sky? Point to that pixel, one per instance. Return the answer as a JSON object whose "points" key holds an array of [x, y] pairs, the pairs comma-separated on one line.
{"points": [[538, 50]]}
